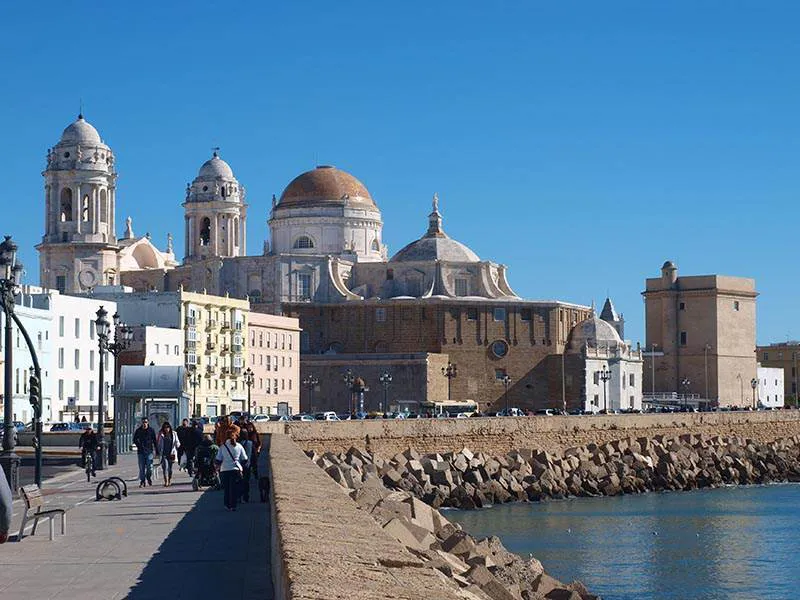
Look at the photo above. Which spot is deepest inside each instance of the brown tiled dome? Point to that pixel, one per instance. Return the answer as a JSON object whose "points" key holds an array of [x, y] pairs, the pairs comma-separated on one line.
{"points": [[325, 185]]}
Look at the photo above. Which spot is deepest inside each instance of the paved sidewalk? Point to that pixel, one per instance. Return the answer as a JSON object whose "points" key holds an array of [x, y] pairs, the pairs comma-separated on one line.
{"points": [[156, 543]]}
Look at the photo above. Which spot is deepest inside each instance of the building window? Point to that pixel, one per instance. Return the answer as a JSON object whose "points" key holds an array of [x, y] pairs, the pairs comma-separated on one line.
{"points": [[60, 326], [304, 242], [499, 314], [632, 379], [77, 329], [736, 305], [283, 341], [77, 359], [283, 361], [60, 389], [77, 390], [205, 231], [380, 315], [766, 355], [683, 338], [499, 348], [60, 358], [91, 329], [290, 385], [304, 286], [472, 314], [91, 390], [596, 378], [596, 400], [682, 306], [290, 341], [462, 286], [525, 314], [269, 366], [91, 360]]}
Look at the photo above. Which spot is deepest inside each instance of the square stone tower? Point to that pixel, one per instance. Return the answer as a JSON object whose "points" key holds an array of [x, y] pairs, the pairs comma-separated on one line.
{"points": [[701, 335]]}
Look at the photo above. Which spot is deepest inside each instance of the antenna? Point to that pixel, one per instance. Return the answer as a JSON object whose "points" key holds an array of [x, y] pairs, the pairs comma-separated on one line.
{"points": [[80, 108]]}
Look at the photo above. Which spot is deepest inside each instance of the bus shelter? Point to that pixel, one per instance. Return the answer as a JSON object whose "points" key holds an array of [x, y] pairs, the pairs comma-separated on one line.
{"points": [[148, 391]]}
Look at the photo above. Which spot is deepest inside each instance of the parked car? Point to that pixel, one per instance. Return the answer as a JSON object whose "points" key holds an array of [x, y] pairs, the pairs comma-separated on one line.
{"points": [[547, 412], [344, 416], [326, 416], [302, 417], [511, 412], [60, 427]]}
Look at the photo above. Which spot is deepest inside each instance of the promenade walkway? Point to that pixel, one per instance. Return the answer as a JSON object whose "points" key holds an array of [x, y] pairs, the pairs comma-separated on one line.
{"points": [[156, 543]]}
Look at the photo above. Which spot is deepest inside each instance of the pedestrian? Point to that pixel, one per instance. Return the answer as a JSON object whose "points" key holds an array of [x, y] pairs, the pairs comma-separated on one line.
{"points": [[83, 419], [185, 437], [230, 459], [224, 425], [6, 507], [262, 469], [145, 440], [244, 440], [89, 445], [167, 445]]}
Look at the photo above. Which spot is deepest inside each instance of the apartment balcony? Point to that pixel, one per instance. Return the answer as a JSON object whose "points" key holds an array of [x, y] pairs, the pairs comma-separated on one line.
{"points": [[210, 347], [237, 348], [225, 349], [191, 321], [226, 326], [225, 370], [211, 325]]}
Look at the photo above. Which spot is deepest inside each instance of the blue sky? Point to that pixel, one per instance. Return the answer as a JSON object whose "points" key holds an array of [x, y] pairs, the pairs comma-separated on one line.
{"points": [[580, 143]]}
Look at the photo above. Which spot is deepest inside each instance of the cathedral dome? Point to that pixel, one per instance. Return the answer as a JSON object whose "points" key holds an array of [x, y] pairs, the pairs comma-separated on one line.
{"points": [[81, 132], [215, 167], [595, 333], [325, 185]]}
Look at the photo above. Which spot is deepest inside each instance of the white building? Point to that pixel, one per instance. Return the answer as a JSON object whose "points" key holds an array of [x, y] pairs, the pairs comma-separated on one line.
{"points": [[770, 387], [38, 324], [159, 346], [73, 376], [598, 344]]}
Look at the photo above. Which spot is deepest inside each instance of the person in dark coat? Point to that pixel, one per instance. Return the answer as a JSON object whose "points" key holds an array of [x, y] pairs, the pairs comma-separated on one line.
{"points": [[145, 439], [187, 436]]}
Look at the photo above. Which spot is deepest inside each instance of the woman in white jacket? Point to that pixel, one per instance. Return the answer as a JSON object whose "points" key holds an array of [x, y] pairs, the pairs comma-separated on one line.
{"points": [[231, 459], [167, 445]]}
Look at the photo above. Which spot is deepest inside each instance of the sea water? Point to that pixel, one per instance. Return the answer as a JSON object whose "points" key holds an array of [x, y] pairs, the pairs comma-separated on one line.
{"points": [[733, 543]]}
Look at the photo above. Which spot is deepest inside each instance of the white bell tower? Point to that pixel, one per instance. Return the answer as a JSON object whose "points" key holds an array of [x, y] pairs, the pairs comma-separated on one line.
{"points": [[79, 247]]}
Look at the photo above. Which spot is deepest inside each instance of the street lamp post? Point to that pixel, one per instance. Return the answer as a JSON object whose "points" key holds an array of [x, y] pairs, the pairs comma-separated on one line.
{"points": [[123, 335], [706, 348], [605, 377], [450, 371], [349, 379], [249, 378], [506, 381], [10, 275], [653, 370], [386, 381], [194, 380], [311, 383], [754, 385], [685, 382]]}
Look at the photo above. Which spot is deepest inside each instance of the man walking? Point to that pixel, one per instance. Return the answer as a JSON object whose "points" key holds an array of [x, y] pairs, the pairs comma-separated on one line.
{"points": [[145, 439]]}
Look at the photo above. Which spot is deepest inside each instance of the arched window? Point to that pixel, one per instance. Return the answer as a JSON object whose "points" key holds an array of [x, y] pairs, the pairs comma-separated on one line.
{"points": [[85, 208], [236, 231], [304, 242], [103, 206], [375, 245], [66, 205], [205, 232]]}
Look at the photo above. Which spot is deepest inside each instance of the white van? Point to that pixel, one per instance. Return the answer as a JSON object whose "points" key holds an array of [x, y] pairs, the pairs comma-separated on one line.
{"points": [[328, 415]]}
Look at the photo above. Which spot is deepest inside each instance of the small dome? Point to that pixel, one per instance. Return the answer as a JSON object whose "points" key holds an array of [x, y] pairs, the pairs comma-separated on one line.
{"points": [[81, 132], [325, 185], [668, 265], [215, 167], [595, 333], [436, 248]]}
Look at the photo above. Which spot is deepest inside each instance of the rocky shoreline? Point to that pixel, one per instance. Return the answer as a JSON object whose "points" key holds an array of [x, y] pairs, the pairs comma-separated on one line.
{"points": [[403, 492]]}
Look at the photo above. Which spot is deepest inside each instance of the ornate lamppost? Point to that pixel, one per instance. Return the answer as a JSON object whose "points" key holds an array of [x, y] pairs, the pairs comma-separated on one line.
{"points": [[386, 380], [311, 383], [506, 380], [10, 276], [349, 379], [249, 378], [450, 371], [123, 335], [685, 382], [195, 379], [605, 377], [754, 385]]}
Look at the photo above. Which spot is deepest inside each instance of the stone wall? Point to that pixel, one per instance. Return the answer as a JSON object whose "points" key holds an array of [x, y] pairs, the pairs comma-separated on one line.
{"points": [[496, 436], [323, 546]]}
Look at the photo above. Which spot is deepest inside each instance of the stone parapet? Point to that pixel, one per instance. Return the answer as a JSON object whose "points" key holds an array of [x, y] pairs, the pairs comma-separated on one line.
{"points": [[324, 547], [499, 435]]}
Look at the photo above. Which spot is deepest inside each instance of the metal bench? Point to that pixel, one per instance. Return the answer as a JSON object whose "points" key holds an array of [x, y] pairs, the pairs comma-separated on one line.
{"points": [[32, 495]]}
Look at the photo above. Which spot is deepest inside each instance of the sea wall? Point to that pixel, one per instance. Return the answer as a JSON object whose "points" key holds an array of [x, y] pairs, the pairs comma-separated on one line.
{"points": [[500, 435]]}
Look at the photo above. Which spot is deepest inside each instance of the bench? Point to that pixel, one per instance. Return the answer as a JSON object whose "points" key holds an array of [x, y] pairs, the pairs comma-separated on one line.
{"points": [[32, 495]]}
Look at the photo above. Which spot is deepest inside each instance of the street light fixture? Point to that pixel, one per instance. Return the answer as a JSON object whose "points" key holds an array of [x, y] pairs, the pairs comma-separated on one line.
{"points": [[506, 380], [123, 336], [10, 276], [195, 379], [685, 383], [450, 371], [605, 376], [386, 380], [311, 383], [754, 385], [349, 379], [249, 379]]}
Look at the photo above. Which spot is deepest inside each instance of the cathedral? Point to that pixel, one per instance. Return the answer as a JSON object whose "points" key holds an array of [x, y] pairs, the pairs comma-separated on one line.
{"points": [[432, 303]]}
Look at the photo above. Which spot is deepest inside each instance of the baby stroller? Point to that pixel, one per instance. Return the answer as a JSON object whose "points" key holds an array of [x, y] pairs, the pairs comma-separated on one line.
{"points": [[205, 473]]}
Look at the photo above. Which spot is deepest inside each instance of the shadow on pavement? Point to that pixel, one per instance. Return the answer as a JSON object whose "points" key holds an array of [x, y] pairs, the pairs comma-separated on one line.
{"points": [[212, 553]]}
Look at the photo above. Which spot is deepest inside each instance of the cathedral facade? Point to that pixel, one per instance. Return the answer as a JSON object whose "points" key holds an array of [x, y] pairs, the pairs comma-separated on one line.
{"points": [[324, 262]]}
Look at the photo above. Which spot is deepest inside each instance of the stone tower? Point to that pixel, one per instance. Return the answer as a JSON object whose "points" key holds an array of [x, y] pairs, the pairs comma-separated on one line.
{"points": [[79, 247], [610, 315], [216, 214]]}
